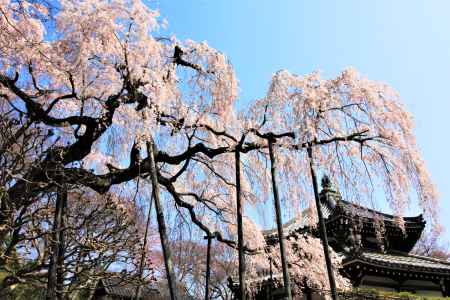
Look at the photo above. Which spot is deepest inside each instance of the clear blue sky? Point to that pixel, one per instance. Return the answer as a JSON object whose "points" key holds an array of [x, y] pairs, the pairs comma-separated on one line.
{"points": [[405, 44]]}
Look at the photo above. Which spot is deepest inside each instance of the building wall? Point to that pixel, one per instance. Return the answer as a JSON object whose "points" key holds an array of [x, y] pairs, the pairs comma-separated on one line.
{"points": [[419, 287]]}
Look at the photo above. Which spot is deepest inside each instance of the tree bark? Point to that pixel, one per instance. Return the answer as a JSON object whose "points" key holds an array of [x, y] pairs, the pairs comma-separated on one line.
{"points": [[239, 226], [55, 283], [144, 249], [161, 223], [323, 231], [276, 198]]}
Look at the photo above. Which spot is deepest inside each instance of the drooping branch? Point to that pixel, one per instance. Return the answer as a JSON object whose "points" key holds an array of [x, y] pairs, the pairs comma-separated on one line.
{"points": [[102, 183], [178, 60], [95, 127], [37, 112], [359, 137], [178, 200]]}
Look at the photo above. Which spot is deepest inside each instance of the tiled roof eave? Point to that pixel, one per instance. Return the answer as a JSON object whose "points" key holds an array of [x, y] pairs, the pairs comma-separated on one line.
{"points": [[398, 266]]}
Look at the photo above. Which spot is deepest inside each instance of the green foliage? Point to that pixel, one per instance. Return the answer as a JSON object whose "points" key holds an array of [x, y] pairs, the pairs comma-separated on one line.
{"points": [[24, 292], [3, 275]]}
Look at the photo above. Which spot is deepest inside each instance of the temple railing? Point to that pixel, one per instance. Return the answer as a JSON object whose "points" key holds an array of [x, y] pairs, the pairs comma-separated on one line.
{"points": [[316, 294]]}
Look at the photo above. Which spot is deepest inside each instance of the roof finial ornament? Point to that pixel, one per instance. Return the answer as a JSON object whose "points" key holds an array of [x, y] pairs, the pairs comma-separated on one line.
{"points": [[326, 182]]}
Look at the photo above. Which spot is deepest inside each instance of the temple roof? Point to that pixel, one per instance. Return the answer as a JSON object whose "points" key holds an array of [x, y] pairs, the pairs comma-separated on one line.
{"points": [[350, 225], [401, 261], [364, 212], [352, 209], [295, 224], [333, 206]]}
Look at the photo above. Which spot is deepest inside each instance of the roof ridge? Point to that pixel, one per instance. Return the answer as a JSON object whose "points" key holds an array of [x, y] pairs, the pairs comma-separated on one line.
{"points": [[357, 205]]}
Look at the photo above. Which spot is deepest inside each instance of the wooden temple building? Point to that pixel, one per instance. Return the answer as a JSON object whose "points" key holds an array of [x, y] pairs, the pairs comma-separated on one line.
{"points": [[375, 249]]}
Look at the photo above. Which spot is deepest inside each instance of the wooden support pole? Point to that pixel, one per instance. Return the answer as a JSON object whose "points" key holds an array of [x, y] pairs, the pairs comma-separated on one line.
{"points": [[161, 223], [276, 198], [209, 238], [323, 230], [271, 279], [239, 226]]}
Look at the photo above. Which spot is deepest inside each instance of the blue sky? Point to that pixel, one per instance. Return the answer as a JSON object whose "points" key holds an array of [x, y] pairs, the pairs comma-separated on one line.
{"points": [[405, 44]]}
